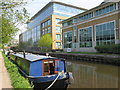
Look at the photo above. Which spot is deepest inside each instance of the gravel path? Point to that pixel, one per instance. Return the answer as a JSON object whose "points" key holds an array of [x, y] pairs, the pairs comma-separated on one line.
{"points": [[4, 76]]}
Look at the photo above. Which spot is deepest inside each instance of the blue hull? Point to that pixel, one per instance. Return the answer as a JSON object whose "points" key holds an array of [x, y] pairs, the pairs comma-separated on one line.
{"points": [[49, 78]]}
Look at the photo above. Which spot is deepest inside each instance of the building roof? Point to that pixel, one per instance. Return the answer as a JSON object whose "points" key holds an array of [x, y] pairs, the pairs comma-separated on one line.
{"points": [[50, 3], [88, 11]]}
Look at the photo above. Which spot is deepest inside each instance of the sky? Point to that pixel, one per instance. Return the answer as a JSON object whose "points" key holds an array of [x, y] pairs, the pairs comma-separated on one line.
{"points": [[33, 6]]}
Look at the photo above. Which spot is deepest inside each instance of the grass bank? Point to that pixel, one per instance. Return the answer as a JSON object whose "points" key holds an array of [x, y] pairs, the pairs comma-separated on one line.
{"points": [[93, 53], [17, 80]]}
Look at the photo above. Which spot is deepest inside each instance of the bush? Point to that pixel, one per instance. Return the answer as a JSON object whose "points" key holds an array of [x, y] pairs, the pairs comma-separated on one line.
{"points": [[113, 49], [17, 80]]}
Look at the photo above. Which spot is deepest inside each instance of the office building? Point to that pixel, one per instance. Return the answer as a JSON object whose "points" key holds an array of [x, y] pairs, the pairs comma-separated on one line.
{"points": [[97, 26], [47, 21]]}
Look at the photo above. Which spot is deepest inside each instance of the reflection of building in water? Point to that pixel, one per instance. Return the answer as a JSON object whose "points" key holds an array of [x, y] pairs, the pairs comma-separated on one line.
{"points": [[87, 76], [105, 80]]}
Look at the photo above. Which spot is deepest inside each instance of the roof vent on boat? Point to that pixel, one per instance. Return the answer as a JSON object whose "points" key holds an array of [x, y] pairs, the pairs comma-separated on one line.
{"points": [[47, 54]]}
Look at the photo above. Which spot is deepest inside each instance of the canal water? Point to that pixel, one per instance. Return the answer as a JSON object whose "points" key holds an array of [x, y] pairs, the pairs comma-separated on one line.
{"points": [[91, 75]]}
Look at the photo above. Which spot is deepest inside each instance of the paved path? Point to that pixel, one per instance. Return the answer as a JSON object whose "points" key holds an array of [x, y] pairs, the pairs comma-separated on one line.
{"points": [[4, 76]]}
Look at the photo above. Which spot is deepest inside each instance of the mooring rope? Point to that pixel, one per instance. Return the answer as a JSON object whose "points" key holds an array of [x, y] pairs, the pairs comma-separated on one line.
{"points": [[54, 81]]}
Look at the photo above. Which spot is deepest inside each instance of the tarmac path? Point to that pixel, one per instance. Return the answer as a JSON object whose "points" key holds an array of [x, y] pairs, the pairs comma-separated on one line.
{"points": [[4, 76]]}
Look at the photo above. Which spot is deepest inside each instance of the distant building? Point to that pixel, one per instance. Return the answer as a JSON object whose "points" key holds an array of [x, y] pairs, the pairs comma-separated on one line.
{"points": [[97, 26], [46, 21]]}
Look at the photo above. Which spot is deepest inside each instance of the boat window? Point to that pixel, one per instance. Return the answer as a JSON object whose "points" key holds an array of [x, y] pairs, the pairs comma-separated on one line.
{"points": [[46, 67], [57, 65], [51, 67]]}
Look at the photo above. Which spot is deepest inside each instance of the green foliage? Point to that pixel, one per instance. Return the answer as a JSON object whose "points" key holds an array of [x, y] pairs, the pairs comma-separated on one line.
{"points": [[17, 80], [45, 41], [8, 30], [12, 15], [114, 49]]}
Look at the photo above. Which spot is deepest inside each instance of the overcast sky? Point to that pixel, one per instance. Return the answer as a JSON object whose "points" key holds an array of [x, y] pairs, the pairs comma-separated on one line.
{"points": [[34, 6]]}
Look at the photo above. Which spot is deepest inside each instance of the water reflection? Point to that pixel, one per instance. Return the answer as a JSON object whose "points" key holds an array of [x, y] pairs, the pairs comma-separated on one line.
{"points": [[88, 75]]}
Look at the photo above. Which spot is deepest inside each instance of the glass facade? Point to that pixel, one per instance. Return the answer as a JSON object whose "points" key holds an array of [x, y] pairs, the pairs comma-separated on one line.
{"points": [[58, 37], [58, 29], [105, 10], [66, 11], [38, 32], [46, 23], [51, 9], [68, 39], [41, 16], [105, 34], [92, 14], [46, 27], [85, 37]]}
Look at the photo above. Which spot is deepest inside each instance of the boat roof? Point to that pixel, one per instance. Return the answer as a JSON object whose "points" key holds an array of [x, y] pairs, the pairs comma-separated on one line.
{"points": [[34, 57]]}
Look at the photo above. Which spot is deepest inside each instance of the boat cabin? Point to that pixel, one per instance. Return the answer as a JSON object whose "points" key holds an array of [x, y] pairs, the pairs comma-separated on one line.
{"points": [[38, 65]]}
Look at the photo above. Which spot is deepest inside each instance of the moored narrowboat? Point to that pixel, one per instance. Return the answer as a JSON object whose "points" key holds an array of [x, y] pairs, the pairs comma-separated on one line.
{"points": [[44, 71]]}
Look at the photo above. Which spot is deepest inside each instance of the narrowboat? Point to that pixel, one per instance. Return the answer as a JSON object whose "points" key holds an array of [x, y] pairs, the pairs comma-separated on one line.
{"points": [[44, 72]]}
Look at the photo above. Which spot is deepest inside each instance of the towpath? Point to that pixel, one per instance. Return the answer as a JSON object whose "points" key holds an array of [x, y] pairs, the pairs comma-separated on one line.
{"points": [[4, 76]]}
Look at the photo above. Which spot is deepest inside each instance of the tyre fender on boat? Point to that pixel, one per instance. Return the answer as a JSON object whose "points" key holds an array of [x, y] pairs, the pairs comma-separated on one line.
{"points": [[70, 79]]}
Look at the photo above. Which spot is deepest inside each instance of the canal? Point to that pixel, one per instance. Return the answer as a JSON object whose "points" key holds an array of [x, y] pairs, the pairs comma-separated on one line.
{"points": [[91, 75]]}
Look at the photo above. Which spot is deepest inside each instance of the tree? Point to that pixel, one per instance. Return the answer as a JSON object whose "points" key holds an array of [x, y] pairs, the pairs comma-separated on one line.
{"points": [[11, 16], [23, 45], [45, 41]]}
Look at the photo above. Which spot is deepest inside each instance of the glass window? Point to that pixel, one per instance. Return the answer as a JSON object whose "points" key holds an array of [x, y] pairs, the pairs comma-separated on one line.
{"points": [[58, 37], [46, 24], [75, 27], [68, 39], [106, 35], [58, 20], [69, 22], [49, 30], [43, 25], [58, 44], [46, 68], [75, 20], [105, 10], [49, 22], [43, 32], [65, 24], [85, 37], [58, 29], [38, 32]]}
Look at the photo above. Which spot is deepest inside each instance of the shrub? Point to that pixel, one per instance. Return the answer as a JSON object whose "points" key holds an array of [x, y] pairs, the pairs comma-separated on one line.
{"points": [[17, 80], [113, 49]]}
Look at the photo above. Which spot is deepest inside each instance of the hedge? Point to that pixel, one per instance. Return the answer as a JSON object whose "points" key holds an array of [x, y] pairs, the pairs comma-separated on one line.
{"points": [[17, 80], [113, 49]]}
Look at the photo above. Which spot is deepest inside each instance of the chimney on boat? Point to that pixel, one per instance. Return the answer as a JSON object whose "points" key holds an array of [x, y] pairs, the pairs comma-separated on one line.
{"points": [[24, 54]]}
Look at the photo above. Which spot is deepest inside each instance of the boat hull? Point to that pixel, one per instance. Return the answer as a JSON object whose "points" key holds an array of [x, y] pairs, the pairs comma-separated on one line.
{"points": [[58, 84]]}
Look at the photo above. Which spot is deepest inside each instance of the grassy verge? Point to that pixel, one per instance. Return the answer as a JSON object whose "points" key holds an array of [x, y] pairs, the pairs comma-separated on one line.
{"points": [[17, 80]]}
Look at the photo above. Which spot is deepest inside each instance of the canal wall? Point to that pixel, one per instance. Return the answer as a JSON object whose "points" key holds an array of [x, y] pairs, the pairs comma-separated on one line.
{"points": [[104, 59]]}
